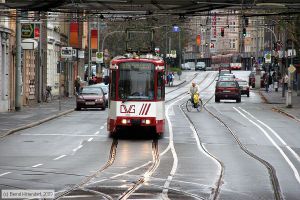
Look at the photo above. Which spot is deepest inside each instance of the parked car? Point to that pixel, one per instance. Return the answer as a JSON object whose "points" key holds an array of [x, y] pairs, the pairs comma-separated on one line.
{"points": [[251, 79], [244, 87], [185, 66], [227, 90], [105, 89], [91, 97], [200, 66]]}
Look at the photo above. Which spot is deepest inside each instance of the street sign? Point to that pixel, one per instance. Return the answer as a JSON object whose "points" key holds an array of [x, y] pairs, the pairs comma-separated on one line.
{"points": [[99, 57], [74, 52], [268, 58], [176, 29], [66, 52], [173, 54], [27, 31], [80, 54], [292, 68]]}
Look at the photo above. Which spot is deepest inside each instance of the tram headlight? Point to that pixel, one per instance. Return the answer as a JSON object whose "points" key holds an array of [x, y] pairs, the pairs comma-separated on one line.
{"points": [[124, 121], [147, 121]]}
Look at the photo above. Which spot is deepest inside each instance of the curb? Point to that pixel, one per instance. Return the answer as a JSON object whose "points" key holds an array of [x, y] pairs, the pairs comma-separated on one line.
{"points": [[279, 110], [35, 123], [265, 100]]}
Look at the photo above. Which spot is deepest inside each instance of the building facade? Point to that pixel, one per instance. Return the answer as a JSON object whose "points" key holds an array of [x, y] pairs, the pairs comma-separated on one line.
{"points": [[5, 62]]}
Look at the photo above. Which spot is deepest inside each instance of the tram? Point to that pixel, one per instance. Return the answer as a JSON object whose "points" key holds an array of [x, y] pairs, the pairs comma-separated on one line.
{"points": [[137, 93]]}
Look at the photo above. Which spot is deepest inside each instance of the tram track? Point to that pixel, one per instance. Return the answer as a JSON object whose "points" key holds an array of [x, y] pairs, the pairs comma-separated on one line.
{"points": [[271, 170], [216, 191], [147, 174], [110, 161], [185, 92], [143, 178], [186, 83]]}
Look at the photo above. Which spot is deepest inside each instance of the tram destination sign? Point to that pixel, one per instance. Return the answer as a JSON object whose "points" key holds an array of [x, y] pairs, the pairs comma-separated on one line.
{"points": [[27, 30]]}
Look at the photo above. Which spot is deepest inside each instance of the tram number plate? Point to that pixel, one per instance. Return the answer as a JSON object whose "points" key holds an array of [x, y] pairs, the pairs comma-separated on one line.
{"points": [[90, 103], [135, 122]]}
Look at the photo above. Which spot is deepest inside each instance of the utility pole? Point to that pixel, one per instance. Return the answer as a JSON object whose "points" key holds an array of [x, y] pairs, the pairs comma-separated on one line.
{"points": [[179, 46], [283, 64], [18, 95], [89, 49]]}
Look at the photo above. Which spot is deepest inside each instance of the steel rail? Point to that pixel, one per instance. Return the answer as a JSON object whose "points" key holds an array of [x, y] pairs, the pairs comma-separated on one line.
{"points": [[216, 191], [147, 174], [110, 161], [271, 170]]}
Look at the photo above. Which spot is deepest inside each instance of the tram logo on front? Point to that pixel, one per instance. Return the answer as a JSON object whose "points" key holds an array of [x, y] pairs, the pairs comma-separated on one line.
{"points": [[124, 109]]}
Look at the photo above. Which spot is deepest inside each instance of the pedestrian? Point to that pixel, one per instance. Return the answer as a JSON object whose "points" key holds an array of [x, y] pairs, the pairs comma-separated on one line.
{"points": [[77, 85], [172, 78], [266, 81], [270, 82], [285, 82]]}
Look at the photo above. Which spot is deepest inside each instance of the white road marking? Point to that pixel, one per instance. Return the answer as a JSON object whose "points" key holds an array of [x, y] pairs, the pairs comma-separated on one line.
{"points": [[79, 147], [296, 174], [276, 134], [59, 157], [97, 133], [53, 134], [34, 166], [90, 139], [102, 127], [5, 173]]}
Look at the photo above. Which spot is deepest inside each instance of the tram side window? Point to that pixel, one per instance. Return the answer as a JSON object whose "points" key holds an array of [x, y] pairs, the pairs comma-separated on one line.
{"points": [[113, 85], [160, 86]]}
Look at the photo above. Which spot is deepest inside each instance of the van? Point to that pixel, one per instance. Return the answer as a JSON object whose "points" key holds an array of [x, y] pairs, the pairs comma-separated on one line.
{"points": [[200, 66]]}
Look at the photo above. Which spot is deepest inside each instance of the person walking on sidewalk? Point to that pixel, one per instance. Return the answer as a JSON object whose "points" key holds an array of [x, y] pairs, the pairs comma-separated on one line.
{"points": [[266, 82], [285, 82]]}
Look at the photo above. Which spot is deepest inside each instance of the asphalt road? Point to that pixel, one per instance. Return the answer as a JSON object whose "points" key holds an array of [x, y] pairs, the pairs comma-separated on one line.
{"points": [[199, 157]]}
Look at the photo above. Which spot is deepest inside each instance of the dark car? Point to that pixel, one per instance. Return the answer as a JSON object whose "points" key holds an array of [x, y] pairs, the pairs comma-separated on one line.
{"points": [[227, 90], [91, 97], [244, 86], [252, 79]]}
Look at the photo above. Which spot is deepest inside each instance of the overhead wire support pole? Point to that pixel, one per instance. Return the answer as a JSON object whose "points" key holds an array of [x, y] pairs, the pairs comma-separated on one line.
{"points": [[89, 48], [18, 86]]}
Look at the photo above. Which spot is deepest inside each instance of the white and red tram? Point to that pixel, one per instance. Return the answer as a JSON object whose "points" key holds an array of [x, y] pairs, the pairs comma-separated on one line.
{"points": [[137, 93]]}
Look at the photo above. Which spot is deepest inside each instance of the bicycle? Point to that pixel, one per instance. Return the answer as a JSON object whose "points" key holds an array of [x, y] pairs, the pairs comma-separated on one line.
{"points": [[48, 95], [190, 105]]}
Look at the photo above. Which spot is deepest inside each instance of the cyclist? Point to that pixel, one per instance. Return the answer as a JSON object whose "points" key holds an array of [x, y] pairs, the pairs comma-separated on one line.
{"points": [[194, 89]]}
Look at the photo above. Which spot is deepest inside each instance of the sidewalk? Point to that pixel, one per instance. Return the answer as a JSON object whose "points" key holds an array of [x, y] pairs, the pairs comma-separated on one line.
{"points": [[279, 103], [33, 115]]}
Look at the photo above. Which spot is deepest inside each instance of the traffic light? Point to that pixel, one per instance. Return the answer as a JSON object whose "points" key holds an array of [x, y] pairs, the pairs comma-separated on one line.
{"points": [[222, 32], [244, 32]]}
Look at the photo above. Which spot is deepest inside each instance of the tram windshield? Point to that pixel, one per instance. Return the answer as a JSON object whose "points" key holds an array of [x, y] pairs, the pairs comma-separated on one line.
{"points": [[136, 81]]}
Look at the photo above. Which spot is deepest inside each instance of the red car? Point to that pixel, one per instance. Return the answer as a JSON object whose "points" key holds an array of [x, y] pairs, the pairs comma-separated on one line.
{"points": [[91, 97], [227, 90]]}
